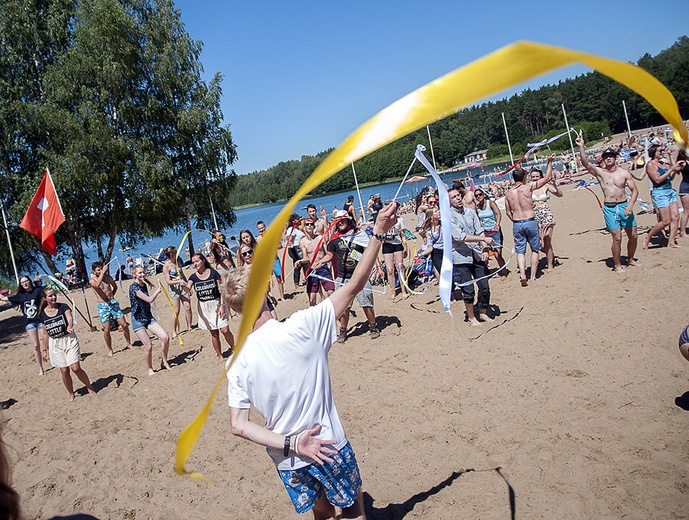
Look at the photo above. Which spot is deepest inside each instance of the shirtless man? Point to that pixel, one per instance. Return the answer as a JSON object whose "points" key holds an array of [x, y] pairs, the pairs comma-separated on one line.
{"points": [[108, 307], [320, 224], [617, 212], [311, 245], [519, 209]]}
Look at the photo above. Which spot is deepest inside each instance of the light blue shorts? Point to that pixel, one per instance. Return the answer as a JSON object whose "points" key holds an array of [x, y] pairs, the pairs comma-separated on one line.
{"points": [[34, 325], [277, 268], [106, 310], [340, 479], [138, 325], [663, 197], [615, 217], [526, 231]]}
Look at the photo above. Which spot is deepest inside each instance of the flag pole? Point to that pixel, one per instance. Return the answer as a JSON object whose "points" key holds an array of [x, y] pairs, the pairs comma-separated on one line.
{"points": [[509, 146], [9, 242], [215, 221], [569, 132], [428, 129], [358, 192], [629, 129]]}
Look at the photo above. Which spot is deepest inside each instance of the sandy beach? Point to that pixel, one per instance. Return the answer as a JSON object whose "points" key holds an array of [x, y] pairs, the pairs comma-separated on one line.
{"points": [[564, 407]]}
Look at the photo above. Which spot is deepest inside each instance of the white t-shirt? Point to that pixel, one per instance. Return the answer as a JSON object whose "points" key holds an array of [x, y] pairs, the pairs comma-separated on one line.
{"points": [[282, 371]]}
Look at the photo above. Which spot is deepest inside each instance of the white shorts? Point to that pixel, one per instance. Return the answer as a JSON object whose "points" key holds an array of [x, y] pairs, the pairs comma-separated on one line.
{"points": [[209, 319], [64, 351]]}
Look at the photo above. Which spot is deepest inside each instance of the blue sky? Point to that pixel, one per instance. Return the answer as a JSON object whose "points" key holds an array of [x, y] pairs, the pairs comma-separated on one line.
{"points": [[301, 76]]}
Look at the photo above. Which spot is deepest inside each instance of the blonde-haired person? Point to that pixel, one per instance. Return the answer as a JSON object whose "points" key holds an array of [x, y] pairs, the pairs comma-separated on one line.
{"points": [[284, 374], [176, 281], [143, 320]]}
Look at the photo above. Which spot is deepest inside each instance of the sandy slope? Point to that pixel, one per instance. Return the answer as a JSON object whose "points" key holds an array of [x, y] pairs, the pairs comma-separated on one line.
{"points": [[571, 393]]}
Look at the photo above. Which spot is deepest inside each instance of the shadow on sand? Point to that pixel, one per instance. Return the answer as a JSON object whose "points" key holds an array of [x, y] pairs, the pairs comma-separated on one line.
{"points": [[399, 511]]}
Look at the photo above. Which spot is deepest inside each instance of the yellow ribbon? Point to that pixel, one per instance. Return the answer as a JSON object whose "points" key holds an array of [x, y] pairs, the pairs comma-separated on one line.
{"points": [[484, 77], [172, 306]]}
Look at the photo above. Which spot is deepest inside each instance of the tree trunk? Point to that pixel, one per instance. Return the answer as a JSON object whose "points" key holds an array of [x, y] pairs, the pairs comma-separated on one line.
{"points": [[77, 249], [46, 257], [190, 238], [111, 242]]}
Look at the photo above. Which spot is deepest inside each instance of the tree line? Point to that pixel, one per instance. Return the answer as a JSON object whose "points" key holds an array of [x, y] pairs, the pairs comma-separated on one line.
{"points": [[108, 94], [593, 103]]}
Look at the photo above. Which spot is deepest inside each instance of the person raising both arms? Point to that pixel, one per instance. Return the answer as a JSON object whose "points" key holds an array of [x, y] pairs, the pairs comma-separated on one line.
{"points": [[213, 315], [142, 318], [104, 287], [663, 194], [175, 279], [28, 299], [618, 213], [59, 339]]}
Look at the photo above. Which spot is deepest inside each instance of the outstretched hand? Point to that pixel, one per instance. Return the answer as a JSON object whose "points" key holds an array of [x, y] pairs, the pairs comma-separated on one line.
{"points": [[314, 448], [386, 219], [579, 140]]}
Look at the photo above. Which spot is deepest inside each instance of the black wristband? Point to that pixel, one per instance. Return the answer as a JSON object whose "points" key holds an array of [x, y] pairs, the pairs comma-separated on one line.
{"points": [[379, 237], [285, 451]]}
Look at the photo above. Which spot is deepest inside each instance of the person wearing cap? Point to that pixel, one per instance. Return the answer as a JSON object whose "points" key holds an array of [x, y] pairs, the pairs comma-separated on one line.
{"points": [[346, 249], [663, 194], [284, 374], [376, 206], [618, 213]]}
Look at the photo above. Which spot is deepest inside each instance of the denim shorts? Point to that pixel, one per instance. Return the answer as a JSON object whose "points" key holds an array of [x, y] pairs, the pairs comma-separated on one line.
{"points": [[340, 479], [34, 325], [144, 324], [663, 197], [526, 231]]}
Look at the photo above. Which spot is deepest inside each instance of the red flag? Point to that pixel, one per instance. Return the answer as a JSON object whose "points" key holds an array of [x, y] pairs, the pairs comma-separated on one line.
{"points": [[44, 214]]}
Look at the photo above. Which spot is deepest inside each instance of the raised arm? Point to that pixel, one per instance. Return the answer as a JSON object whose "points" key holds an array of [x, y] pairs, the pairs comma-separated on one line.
{"points": [[584, 158], [345, 294]]}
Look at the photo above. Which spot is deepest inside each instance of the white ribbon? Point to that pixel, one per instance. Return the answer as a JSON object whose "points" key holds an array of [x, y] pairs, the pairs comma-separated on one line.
{"points": [[445, 289]]}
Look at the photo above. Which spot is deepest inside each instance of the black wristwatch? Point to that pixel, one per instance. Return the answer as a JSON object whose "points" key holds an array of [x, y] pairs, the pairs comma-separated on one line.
{"points": [[285, 451]]}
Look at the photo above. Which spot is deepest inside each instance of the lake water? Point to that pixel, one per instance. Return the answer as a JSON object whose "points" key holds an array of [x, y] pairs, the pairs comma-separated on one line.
{"points": [[247, 217]]}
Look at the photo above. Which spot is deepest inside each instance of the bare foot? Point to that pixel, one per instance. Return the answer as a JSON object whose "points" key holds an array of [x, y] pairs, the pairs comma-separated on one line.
{"points": [[647, 240], [618, 269], [220, 359], [475, 323], [485, 317], [41, 372], [633, 263], [674, 246], [91, 391], [110, 353], [151, 372], [71, 398], [166, 365]]}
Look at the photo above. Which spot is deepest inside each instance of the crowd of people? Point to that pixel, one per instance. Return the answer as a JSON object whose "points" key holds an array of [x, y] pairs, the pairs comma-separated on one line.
{"points": [[284, 371]]}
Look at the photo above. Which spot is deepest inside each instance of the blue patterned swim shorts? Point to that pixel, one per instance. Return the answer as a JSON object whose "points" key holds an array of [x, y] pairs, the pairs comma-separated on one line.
{"points": [[340, 479]]}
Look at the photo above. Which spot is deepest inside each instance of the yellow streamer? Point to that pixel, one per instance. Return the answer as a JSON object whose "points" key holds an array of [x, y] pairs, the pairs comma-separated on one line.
{"points": [[484, 77], [172, 306]]}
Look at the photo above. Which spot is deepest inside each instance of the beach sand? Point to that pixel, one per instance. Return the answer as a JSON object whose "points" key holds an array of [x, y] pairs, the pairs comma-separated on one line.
{"points": [[564, 407]]}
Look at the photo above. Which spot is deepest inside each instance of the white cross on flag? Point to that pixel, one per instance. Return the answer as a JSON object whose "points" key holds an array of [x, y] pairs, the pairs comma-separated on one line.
{"points": [[44, 214]]}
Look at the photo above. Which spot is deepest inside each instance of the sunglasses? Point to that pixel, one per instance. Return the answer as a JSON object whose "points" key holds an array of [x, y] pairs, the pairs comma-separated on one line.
{"points": [[247, 253], [432, 201], [308, 224], [478, 194]]}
